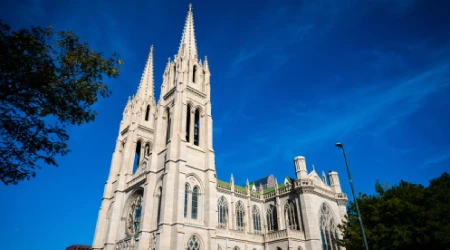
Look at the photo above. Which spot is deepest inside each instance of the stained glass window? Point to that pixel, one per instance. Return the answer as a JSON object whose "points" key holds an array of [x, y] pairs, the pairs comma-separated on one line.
{"points": [[291, 215], [328, 230], [194, 211], [186, 196], [256, 218], [134, 215], [272, 218], [240, 216], [193, 243], [197, 127], [222, 208]]}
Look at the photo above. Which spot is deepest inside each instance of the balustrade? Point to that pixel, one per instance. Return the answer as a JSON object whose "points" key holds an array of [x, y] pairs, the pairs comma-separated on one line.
{"points": [[223, 185]]}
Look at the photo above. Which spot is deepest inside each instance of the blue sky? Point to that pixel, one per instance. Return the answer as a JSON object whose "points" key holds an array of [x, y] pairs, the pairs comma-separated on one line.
{"points": [[288, 78]]}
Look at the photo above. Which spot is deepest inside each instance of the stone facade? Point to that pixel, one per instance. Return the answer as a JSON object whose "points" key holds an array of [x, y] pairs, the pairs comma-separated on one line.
{"points": [[162, 191]]}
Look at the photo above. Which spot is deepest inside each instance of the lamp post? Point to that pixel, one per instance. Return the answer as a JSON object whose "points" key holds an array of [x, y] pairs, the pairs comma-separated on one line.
{"points": [[339, 145]]}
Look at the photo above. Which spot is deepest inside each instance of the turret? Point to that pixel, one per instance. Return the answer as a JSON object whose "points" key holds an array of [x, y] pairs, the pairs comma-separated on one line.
{"points": [[300, 167], [334, 181]]}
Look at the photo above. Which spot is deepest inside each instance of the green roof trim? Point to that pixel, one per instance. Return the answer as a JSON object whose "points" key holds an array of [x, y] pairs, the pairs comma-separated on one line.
{"points": [[267, 190], [222, 181]]}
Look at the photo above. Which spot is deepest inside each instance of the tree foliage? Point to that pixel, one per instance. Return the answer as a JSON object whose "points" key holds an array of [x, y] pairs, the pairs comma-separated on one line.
{"points": [[404, 216], [48, 80]]}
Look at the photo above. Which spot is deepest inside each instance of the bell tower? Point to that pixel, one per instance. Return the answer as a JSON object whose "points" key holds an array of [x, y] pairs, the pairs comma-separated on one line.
{"points": [[161, 190], [183, 143], [134, 145]]}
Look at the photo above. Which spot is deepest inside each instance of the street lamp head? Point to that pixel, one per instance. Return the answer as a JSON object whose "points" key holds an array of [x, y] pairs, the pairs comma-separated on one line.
{"points": [[339, 145]]}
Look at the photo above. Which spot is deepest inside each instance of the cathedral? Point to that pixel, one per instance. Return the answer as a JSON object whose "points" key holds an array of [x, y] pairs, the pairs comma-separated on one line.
{"points": [[162, 191]]}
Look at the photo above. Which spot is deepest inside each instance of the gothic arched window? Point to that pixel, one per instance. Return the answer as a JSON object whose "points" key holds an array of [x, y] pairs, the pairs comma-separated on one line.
{"points": [[291, 215], [137, 156], [188, 123], [174, 74], [197, 127], [147, 149], [134, 215], [236, 248], [194, 72], [328, 230], [193, 243], [240, 216], [159, 205], [186, 196], [147, 112], [272, 218], [194, 211], [256, 218], [168, 125], [222, 208]]}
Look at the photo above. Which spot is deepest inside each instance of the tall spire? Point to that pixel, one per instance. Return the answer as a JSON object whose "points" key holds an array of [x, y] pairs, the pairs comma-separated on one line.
{"points": [[146, 86], [188, 46]]}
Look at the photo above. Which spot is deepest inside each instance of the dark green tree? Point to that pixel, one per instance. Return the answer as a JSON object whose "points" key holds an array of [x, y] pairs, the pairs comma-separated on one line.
{"points": [[404, 216], [48, 80]]}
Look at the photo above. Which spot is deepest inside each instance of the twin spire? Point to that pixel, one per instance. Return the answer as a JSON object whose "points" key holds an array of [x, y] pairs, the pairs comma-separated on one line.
{"points": [[188, 48], [146, 86], [188, 45]]}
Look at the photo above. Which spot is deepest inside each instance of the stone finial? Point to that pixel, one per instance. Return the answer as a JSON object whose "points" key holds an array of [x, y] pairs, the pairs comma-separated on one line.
{"points": [[313, 168], [247, 182], [324, 178], [232, 183]]}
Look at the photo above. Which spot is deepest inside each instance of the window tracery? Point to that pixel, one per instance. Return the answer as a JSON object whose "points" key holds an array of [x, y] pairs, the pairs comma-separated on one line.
{"points": [[328, 230], [272, 218], [193, 243], [194, 211], [240, 216], [222, 208], [134, 215], [256, 218], [291, 215], [186, 197]]}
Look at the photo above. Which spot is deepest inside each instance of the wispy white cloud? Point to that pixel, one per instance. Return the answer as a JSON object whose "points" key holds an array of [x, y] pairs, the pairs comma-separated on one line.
{"points": [[389, 105], [337, 117], [439, 158]]}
